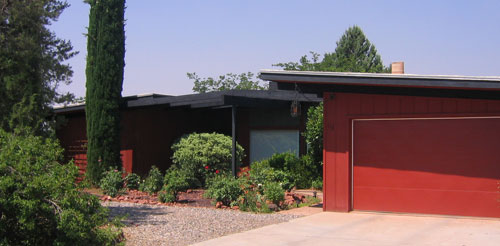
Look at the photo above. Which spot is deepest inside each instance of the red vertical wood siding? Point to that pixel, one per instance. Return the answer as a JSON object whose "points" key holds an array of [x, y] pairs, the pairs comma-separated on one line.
{"points": [[341, 108]]}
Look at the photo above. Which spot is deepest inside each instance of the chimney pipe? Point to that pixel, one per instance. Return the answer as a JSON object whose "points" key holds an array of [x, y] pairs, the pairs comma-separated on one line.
{"points": [[398, 67]]}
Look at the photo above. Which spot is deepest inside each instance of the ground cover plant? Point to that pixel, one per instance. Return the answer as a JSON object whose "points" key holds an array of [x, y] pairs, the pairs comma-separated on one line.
{"points": [[40, 202]]}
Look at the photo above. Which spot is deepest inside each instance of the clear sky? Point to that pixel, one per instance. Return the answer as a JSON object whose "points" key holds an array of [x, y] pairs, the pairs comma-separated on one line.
{"points": [[167, 39]]}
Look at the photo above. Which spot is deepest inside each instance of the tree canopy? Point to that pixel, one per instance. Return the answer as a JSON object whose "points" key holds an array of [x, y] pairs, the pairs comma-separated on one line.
{"points": [[354, 53], [105, 65], [31, 63], [230, 81]]}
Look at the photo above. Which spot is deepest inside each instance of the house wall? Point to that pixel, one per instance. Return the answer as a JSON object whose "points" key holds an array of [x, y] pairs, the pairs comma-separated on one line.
{"points": [[341, 108], [149, 132]]}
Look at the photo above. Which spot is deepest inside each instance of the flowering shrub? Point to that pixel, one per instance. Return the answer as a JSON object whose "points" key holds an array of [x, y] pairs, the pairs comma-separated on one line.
{"points": [[203, 154]]}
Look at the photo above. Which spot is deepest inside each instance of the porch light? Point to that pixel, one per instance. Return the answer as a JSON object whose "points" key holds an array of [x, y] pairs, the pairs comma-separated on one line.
{"points": [[295, 109]]}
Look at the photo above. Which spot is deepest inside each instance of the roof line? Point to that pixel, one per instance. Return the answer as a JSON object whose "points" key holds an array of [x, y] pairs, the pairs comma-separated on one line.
{"points": [[381, 75]]}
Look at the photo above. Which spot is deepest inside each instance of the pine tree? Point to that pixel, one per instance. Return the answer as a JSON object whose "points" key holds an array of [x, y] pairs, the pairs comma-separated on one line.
{"points": [[31, 64], [354, 53], [105, 63]]}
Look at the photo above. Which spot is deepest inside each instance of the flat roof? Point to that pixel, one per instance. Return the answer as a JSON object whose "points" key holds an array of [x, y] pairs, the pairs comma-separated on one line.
{"points": [[244, 98], [383, 79]]}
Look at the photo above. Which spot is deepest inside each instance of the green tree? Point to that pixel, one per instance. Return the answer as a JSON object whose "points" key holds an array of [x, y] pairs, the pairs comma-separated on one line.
{"points": [[230, 81], [105, 63], [31, 63], [354, 53]]}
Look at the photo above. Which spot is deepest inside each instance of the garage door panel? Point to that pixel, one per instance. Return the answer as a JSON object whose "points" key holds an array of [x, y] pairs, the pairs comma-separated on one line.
{"points": [[446, 202], [420, 180], [444, 166]]}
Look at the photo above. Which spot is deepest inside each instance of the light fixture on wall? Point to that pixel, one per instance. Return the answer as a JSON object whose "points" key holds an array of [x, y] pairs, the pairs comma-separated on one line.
{"points": [[295, 108]]}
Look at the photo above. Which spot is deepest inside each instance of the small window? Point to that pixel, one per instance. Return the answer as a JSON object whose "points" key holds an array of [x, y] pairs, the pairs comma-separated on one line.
{"points": [[265, 143]]}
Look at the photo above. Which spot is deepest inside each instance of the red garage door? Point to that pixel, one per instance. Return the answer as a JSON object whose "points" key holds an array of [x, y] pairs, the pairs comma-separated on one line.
{"points": [[435, 166]]}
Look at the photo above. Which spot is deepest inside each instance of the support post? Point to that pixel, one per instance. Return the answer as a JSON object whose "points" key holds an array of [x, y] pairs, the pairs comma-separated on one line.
{"points": [[233, 158]]}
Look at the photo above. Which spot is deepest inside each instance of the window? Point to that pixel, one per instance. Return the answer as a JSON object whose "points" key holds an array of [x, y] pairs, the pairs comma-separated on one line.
{"points": [[265, 143]]}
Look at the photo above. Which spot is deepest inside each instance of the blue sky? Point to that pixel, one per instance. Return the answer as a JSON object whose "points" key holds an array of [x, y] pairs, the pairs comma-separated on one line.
{"points": [[167, 39]]}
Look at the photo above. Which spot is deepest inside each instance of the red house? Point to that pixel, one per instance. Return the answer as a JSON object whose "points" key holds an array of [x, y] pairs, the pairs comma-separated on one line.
{"points": [[260, 121], [407, 143]]}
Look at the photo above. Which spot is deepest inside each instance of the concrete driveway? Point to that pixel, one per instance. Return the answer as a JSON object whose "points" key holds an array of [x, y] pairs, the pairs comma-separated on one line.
{"points": [[357, 228]]}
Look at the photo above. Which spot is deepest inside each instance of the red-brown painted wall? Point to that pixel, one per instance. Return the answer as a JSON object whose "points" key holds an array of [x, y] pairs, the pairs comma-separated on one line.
{"points": [[341, 108], [149, 132]]}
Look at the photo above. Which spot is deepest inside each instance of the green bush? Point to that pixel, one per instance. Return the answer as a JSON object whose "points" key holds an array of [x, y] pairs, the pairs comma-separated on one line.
{"points": [[111, 182], [314, 135], [40, 202], [224, 188], [203, 154], [299, 171], [175, 181], [261, 172], [317, 184], [154, 181], [132, 181], [166, 196], [274, 193]]}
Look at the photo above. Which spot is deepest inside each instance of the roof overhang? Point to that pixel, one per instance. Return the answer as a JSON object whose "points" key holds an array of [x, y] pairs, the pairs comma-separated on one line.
{"points": [[220, 99], [383, 79]]}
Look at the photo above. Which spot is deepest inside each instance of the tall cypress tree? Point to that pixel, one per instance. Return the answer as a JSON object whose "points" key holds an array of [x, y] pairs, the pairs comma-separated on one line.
{"points": [[105, 63]]}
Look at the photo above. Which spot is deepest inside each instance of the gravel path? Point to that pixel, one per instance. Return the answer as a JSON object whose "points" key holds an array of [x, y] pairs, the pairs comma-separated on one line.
{"points": [[169, 225]]}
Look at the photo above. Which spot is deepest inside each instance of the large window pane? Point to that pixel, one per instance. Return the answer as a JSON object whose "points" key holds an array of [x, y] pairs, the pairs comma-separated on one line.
{"points": [[265, 143]]}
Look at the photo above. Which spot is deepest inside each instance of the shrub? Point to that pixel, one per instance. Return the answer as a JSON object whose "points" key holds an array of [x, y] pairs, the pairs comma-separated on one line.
{"points": [[166, 196], [111, 182], [154, 181], [300, 171], [274, 192], [132, 181], [262, 172], [314, 135], [317, 184], [224, 188], [175, 181], [205, 153], [40, 202], [283, 178]]}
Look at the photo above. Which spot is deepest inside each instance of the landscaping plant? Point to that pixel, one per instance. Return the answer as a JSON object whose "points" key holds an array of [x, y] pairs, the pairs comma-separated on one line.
{"points": [[40, 202], [205, 153], [154, 181], [111, 182], [175, 181], [132, 181], [274, 193], [224, 188]]}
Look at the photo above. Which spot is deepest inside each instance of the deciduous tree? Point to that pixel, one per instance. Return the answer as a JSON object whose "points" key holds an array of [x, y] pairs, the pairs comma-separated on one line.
{"points": [[230, 81]]}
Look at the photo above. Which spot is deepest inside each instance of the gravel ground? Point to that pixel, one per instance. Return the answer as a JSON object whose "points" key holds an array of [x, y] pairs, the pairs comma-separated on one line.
{"points": [[170, 225]]}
